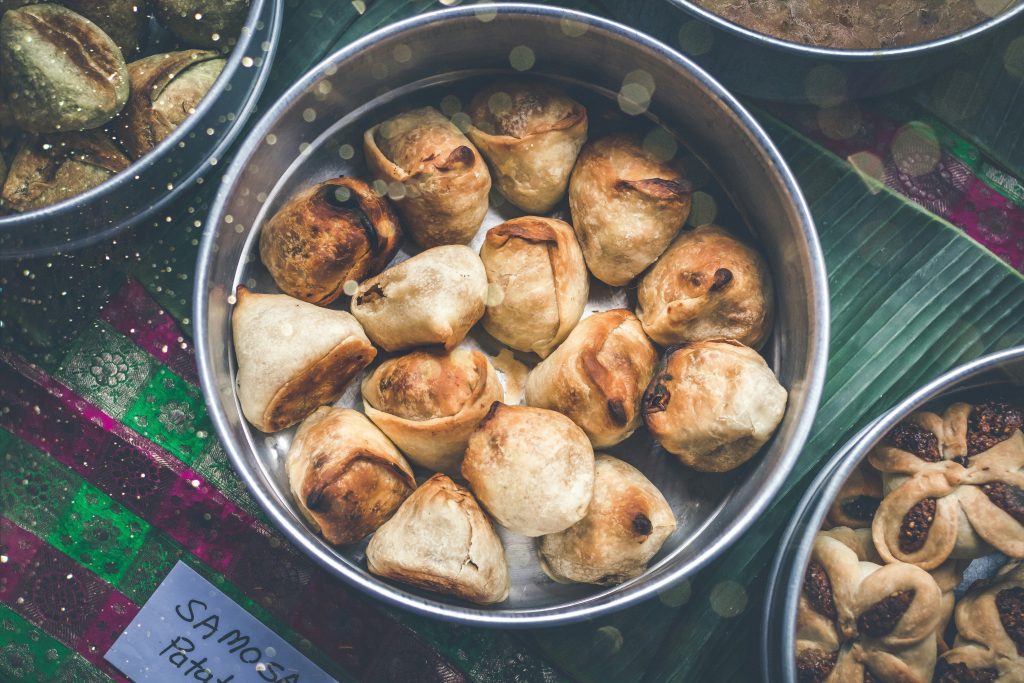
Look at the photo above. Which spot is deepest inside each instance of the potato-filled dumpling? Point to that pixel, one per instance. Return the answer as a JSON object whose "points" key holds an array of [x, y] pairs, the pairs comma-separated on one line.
{"points": [[326, 235], [532, 469], [444, 180], [347, 478], [714, 405], [432, 298], [293, 357], [626, 524], [539, 283], [429, 402], [531, 134], [597, 377], [707, 285], [626, 205], [441, 540]]}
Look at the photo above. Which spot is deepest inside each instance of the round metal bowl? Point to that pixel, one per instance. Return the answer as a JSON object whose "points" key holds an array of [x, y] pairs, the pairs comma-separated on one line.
{"points": [[770, 68], [314, 132], [144, 193], [778, 637]]}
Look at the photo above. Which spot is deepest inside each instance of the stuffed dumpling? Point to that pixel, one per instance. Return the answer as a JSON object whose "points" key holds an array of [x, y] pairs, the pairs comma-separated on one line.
{"points": [[530, 133], [429, 402], [443, 179], [539, 283], [345, 475], [293, 357], [627, 207]]}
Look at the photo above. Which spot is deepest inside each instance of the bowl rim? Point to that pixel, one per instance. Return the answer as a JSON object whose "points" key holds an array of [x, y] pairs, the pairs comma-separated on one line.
{"points": [[848, 55], [436, 607], [787, 567], [120, 181]]}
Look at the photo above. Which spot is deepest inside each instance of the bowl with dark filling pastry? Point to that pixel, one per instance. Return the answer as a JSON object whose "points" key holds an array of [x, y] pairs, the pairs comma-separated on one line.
{"points": [[503, 333], [905, 560], [811, 51]]}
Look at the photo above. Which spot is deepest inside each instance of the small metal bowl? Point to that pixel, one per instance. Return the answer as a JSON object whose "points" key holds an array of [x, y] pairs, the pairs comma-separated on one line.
{"points": [[314, 132], [770, 68], [143, 194], [778, 636]]}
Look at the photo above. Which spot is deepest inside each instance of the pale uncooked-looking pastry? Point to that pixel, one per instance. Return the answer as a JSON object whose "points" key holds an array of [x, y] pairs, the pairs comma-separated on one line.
{"points": [[532, 469], [626, 205], [432, 298], [442, 180], [293, 357], [530, 133], [429, 402], [714, 405], [597, 377], [707, 285], [858, 500], [538, 280], [441, 540], [626, 524], [345, 475]]}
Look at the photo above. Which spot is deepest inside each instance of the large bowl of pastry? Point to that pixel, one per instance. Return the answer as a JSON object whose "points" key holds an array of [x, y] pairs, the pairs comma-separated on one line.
{"points": [[511, 315], [905, 561]]}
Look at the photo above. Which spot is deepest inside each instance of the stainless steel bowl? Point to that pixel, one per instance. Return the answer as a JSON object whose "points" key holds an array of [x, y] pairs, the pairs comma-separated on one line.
{"points": [[143, 194], [778, 636], [314, 132], [770, 68]]}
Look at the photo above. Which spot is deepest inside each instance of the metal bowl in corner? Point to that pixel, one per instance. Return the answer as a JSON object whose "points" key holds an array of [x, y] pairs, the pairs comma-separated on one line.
{"points": [[770, 68], [314, 132], [143, 194], [778, 637]]}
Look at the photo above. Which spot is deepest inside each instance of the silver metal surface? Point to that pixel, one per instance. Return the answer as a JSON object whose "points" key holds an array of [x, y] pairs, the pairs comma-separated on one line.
{"points": [[141, 195], [314, 132], [785, 582]]}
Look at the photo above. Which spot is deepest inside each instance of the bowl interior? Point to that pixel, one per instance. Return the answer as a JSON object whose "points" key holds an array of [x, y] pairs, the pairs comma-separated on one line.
{"points": [[316, 132]]}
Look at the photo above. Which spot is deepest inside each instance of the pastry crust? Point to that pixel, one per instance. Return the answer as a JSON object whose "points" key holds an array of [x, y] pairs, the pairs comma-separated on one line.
{"points": [[435, 297], [539, 283], [955, 485], [627, 522], [442, 541], [858, 500], [597, 377], [707, 285], [530, 133], [293, 357], [443, 179], [346, 477], [532, 469], [429, 402], [326, 235], [714, 405], [627, 206]]}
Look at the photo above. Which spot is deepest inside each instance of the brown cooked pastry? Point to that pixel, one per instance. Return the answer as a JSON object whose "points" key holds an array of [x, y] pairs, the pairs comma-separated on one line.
{"points": [[954, 485], [597, 377], [444, 182], [530, 133], [334, 232], [441, 540], [626, 205], [435, 297], [858, 621], [538, 280], [858, 499], [429, 402], [293, 357], [714, 405], [989, 646], [707, 285], [626, 524], [345, 475], [532, 469]]}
